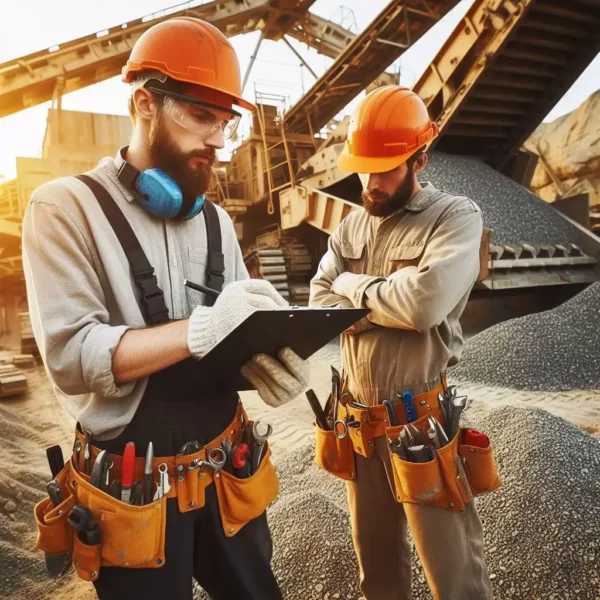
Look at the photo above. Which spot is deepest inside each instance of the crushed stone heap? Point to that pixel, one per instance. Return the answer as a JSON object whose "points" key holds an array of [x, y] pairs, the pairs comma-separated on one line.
{"points": [[554, 350], [500, 199]]}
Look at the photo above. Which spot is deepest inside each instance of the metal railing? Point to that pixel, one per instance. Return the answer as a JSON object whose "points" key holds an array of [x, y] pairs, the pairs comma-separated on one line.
{"points": [[9, 200]]}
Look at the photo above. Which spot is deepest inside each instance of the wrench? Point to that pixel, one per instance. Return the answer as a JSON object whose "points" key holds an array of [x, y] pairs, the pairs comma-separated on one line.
{"points": [[215, 460], [336, 384], [163, 487], [261, 433]]}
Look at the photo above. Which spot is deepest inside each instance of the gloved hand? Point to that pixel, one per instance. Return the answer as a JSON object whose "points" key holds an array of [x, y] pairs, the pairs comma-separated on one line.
{"points": [[278, 381], [208, 325]]}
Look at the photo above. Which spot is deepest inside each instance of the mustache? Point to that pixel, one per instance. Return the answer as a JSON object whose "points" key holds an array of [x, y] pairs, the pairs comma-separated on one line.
{"points": [[210, 156], [378, 194]]}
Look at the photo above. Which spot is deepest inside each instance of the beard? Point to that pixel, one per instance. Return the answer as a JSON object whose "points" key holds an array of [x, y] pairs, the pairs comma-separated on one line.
{"points": [[193, 178], [387, 204]]}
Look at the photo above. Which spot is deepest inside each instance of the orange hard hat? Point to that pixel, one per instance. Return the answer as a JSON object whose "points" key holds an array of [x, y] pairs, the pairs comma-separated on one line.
{"points": [[189, 51], [386, 128]]}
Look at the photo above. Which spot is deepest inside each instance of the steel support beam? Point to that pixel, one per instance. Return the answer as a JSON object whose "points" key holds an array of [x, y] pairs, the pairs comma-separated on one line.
{"points": [[31, 80]]}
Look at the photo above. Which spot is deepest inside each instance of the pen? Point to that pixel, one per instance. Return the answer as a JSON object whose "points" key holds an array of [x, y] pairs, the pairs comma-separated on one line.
{"points": [[200, 288]]}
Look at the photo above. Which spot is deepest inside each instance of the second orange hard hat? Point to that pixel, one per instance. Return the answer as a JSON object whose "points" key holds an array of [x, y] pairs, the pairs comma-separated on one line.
{"points": [[190, 51], [386, 128]]}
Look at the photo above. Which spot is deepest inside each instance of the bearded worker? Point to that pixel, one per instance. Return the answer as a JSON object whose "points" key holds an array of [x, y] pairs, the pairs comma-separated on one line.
{"points": [[105, 257], [410, 255]]}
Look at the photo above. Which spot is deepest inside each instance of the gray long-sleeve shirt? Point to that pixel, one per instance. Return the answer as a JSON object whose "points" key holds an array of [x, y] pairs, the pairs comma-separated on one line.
{"points": [[82, 297], [414, 269]]}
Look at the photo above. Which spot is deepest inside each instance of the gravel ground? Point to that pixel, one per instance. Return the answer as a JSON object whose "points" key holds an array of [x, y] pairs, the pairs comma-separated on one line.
{"points": [[500, 199], [542, 527], [554, 350]]}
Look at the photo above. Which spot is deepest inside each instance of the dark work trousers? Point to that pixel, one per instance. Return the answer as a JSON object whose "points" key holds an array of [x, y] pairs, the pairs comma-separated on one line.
{"points": [[175, 409]]}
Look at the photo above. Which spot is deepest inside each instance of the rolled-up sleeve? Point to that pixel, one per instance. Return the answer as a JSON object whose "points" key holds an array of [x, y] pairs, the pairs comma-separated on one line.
{"points": [[67, 305]]}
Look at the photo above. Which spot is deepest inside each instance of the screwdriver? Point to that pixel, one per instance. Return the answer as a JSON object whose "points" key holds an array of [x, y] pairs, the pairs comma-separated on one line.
{"points": [[148, 474], [127, 472]]}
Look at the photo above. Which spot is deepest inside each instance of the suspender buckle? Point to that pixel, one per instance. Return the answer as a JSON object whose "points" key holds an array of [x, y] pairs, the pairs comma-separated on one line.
{"points": [[152, 297]]}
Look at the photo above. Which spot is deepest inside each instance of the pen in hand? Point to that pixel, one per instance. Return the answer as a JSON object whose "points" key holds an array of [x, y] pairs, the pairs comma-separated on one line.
{"points": [[201, 288]]}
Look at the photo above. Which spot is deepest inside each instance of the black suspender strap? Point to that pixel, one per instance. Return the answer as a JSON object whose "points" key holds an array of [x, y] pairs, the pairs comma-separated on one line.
{"points": [[154, 308], [216, 260], [153, 302]]}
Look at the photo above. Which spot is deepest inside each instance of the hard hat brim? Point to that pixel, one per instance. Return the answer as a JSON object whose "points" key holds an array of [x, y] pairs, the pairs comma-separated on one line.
{"points": [[128, 72], [366, 164]]}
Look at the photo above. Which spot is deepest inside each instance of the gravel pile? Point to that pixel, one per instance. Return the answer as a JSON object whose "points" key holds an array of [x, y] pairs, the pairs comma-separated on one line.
{"points": [[542, 527], [500, 199], [554, 350]]}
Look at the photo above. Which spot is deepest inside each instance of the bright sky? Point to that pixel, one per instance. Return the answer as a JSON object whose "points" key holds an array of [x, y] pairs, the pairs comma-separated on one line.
{"points": [[276, 68]]}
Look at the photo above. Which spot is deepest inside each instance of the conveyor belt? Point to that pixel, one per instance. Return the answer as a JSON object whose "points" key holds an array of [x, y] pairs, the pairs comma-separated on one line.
{"points": [[393, 31]]}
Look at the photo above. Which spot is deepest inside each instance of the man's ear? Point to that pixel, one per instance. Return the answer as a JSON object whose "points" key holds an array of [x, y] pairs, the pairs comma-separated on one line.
{"points": [[145, 105], [421, 163]]}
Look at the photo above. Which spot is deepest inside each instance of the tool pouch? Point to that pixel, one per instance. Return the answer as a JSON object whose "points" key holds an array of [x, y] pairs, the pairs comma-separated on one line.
{"points": [[86, 559], [130, 536], [54, 534], [431, 483], [445, 481], [334, 455], [242, 500], [362, 437], [373, 422], [191, 484], [481, 468]]}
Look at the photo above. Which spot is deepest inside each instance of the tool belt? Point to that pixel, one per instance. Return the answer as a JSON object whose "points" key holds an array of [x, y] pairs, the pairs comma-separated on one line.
{"points": [[106, 531], [447, 477]]}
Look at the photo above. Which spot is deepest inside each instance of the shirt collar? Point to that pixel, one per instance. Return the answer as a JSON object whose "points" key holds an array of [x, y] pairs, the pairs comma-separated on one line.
{"points": [[419, 202], [111, 167], [424, 199]]}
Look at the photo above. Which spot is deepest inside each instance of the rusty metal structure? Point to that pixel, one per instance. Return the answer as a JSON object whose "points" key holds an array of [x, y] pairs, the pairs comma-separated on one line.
{"points": [[48, 74], [498, 74], [503, 68], [44, 75]]}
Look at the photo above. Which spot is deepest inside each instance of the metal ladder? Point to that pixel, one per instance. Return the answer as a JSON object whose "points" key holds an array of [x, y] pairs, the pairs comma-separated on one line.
{"points": [[270, 149]]}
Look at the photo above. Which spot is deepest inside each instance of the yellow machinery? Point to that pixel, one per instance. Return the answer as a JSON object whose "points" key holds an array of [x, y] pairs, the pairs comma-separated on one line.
{"points": [[499, 73], [504, 67]]}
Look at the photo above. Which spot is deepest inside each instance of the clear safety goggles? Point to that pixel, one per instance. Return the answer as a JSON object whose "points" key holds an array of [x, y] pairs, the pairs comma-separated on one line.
{"points": [[201, 118]]}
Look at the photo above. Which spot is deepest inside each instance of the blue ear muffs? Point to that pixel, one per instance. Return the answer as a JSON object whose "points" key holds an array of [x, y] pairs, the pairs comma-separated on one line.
{"points": [[158, 193], [162, 197]]}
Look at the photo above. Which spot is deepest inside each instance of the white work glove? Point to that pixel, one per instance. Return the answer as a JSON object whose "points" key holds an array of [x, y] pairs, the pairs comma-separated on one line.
{"points": [[278, 381], [208, 325]]}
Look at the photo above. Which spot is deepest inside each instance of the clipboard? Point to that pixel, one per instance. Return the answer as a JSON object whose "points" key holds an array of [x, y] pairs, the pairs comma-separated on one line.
{"points": [[304, 329]]}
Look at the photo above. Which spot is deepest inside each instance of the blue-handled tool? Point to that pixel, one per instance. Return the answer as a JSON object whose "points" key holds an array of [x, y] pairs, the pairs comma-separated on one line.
{"points": [[391, 413], [409, 406]]}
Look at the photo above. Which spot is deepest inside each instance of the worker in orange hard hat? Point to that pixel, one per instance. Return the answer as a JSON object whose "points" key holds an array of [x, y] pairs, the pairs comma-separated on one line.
{"points": [[132, 276], [411, 256]]}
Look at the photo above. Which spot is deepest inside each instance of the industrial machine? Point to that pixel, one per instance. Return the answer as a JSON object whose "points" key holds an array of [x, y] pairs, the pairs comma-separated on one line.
{"points": [[503, 68]]}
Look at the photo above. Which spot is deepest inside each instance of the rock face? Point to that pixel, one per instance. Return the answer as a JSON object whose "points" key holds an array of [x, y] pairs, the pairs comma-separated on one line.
{"points": [[570, 146]]}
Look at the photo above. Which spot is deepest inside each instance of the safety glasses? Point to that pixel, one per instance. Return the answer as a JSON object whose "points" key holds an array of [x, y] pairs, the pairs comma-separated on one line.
{"points": [[201, 118]]}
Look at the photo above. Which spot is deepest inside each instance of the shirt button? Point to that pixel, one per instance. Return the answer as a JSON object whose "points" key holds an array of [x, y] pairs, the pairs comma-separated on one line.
{"points": [[174, 262]]}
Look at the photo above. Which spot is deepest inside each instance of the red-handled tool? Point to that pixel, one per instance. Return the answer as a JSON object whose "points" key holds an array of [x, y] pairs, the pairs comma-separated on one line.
{"points": [[240, 461], [475, 438], [127, 472], [238, 456]]}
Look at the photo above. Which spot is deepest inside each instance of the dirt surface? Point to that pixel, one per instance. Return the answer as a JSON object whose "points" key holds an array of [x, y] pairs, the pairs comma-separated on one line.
{"points": [[30, 424]]}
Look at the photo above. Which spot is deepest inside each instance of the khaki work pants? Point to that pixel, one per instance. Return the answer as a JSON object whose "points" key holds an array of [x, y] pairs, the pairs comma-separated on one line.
{"points": [[449, 544]]}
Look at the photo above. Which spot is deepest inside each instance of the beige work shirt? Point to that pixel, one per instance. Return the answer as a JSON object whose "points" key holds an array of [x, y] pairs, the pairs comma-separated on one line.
{"points": [[414, 269], [81, 293]]}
